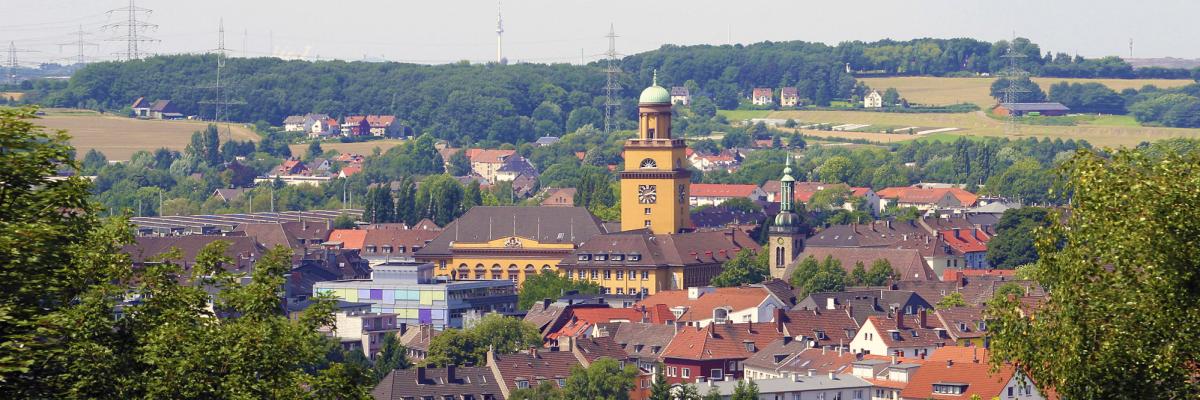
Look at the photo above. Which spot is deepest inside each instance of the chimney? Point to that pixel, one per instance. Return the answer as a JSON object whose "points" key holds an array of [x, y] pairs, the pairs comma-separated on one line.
{"points": [[822, 353], [900, 319], [420, 375], [779, 321], [450, 374], [889, 224], [922, 315], [812, 372], [831, 376], [949, 363], [786, 340], [975, 233], [894, 359], [533, 351], [545, 304], [830, 303], [975, 354], [854, 227], [956, 235], [796, 377], [839, 351]]}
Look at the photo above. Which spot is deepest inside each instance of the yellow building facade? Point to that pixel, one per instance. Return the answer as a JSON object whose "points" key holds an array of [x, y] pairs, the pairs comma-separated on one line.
{"points": [[655, 183]]}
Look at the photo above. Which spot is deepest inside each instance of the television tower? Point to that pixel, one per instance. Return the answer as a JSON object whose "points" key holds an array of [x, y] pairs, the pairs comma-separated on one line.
{"points": [[611, 102], [133, 29], [499, 35]]}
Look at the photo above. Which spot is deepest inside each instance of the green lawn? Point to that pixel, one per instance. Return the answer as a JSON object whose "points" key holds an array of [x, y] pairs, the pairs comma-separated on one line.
{"points": [[1112, 120], [742, 115], [948, 137]]}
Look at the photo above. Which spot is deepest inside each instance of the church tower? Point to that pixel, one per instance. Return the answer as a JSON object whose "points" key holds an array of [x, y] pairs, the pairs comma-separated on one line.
{"points": [[785, 236], [655, 183]]}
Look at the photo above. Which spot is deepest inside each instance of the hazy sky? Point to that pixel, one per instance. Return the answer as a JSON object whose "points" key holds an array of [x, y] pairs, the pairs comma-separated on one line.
{"points": [[561, 30]]}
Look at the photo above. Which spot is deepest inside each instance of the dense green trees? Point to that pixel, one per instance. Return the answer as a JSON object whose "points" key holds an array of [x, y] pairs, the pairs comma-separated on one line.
{"points": [[746, 267], [1087, 97], [1121, 318], [811, 276], [1028, 90], [1013, 245], [551, 285], [604, 379], [505, 335]]}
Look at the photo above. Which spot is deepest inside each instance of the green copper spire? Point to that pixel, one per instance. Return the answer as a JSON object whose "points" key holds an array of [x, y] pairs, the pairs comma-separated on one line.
{"points": [[787, 194]]}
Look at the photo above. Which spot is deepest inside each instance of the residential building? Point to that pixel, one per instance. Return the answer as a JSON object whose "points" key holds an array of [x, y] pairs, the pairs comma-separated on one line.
{"points": [[863, 303], [582, 321], [1031, 109], [355, 125], [559, 197], [789, 357], [410, 291], [965, 325], [293, 180], [486, 163], [713, 194], [681, 95], [546, 141], [889, 376], [416, 340], [901, 335], [646, 263], [244, 251], [927, 198], [799, 387], [789, 96], [971, 245], [365, 330], [384, 242], [530, 369], [158, 109], [292, 166], [702, 306], [231, 194], [644, 343], [655, 184], [967, 377], [727, 160], [824, 328], [908, 264], [514, 167], [509, 243], [450, 382], [762, 96], [141, 108], [296, 235], [873, 100], [715, 350]]}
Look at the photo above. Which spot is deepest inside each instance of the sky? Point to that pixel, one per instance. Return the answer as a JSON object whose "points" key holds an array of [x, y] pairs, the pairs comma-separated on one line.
{"points": [[571, 31]]}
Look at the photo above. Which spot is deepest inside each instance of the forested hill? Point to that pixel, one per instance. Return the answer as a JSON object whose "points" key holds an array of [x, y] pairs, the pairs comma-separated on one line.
{"points": [[515, 103]]}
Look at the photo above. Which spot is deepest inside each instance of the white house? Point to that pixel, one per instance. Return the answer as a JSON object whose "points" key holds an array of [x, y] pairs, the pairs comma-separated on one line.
{"points": [[365, 330], [901, 335], [681, 95], [701, 306], [789, 96], [714, 194], [873, 100], [799, 387], [762, 96]]}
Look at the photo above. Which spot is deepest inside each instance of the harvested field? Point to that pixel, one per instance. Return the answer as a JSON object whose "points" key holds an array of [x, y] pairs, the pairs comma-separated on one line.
{"points": [[119, 137], [364, 148], [944, 91]]}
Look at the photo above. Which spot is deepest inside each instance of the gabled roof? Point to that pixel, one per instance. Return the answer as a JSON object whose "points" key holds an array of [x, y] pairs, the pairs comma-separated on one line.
{"points": [[968, 241], [680, 249], [701, 308], [795, 357], [919, 195], [722, 190], [907, 264], [404, 384], [722, 341], [583, 319], [559, 197], [350, 238], [293, 234], [679, 91], [837, 326], [489, 156], [544, 224], [518, 165], [419, 338], [162, 106], [546, 140], [541, 365], [789, 91], [863, 303], [963, 322], [977, 377], [593, 348], [642, 340], [925, 335], [231, 194], [141, 102], [763, 92]]}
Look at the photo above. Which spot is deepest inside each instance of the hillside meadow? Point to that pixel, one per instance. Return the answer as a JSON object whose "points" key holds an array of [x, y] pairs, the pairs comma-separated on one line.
{"points": [[119, 137], [944, 91]]}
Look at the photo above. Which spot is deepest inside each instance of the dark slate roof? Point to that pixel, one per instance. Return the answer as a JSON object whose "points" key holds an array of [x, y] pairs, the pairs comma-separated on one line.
{"points": [[542, 365], [837, 325], [241, 248], [593, 348], [908, 264], [1035, 107], [781, 289], [865, 303], [544, 224], [874, 234], [640, 340], [680, 91], [403, 383], [546, 140], [690, 248], [518, 165]]}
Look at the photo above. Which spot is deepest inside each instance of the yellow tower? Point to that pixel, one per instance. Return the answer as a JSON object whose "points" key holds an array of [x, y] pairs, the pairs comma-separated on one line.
{"points": [[655, 184]]}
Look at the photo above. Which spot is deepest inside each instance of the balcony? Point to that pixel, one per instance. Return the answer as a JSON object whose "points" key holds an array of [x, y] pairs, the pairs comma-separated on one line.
{"points": [[657, 143]]}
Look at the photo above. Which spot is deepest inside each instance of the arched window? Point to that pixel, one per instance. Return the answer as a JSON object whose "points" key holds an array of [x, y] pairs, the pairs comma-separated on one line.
{"points": [[778, 257], [648, 163]]}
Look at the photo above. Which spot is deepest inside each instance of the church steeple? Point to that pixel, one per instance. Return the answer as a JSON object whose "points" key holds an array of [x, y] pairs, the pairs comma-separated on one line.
{"points": [[785, 235]]}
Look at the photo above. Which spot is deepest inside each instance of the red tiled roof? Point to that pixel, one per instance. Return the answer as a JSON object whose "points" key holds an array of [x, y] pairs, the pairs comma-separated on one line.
{"points": [[927, 335], [545, 365], [701, 308], [910, 194], [722, 190], [580, 155], [489, 156], [721, 341], [350, 171], [966, 240], [977, 376], [950, 275], [760, 92], [350, 238], [582, 319]]}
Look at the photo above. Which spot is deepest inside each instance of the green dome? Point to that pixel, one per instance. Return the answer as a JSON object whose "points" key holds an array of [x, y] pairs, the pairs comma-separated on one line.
{"points": [[655, 95], [787, 219]]}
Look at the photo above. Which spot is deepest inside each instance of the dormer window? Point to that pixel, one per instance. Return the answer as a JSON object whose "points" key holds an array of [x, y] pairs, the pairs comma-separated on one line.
{"points": [[617, 257], [949, 388], [914, 333], [895, 335], [821, 335], [635, 257], [749, 346], [601, 257], [585, 257], [655, 349], [982, 325], [962, 327], [637, 348], [780, 357]]}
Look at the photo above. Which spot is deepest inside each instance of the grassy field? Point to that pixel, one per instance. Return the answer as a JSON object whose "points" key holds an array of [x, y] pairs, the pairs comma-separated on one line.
{"points": [[945, 91], [363, 148], [119, 137], [741, 115], [1115, 134]]}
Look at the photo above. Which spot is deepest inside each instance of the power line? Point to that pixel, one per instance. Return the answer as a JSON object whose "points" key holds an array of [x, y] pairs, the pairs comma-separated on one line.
{"points": [[220, 102], [134, 30], [1014, 74], [611, 102], [81, 45], [13, 63]]}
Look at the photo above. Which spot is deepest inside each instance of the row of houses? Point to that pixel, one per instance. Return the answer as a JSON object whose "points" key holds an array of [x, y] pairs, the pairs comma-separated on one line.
{"points": [[318, 126], [876, 343]]}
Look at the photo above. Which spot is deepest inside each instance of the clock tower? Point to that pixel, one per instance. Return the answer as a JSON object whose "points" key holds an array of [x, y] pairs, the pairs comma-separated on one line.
{"points": [[655, 184], [785, 235]]}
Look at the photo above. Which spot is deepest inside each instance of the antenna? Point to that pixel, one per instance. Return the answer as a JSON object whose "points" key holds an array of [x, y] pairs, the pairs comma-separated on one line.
{"points": [[134, 29], [81, 45], [499, 35], [1130, 47], [611, 86], [13, 64]]}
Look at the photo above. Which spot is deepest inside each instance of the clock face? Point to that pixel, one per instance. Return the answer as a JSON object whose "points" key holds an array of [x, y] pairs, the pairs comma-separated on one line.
{"points": [[780, 241], [647, 194]]}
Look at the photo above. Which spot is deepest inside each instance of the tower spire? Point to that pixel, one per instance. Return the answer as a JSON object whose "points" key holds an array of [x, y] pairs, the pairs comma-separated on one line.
{"points": [[654, 80]]}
